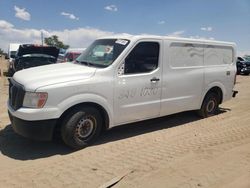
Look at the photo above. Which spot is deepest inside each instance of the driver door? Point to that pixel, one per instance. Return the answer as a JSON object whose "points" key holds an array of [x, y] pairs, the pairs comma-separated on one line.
{"points": [[137, 87]]}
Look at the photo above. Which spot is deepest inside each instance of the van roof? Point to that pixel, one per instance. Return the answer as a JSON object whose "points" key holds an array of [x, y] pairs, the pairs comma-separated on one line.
{"points": [[180, 39]]}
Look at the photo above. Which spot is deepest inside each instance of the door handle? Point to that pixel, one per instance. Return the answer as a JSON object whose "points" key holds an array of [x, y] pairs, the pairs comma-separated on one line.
{"points": [[154, 80]]}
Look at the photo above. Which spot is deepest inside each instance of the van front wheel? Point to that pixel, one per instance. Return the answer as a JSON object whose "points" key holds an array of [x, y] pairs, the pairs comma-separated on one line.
{"points": [[210, 105], [81, 127]]}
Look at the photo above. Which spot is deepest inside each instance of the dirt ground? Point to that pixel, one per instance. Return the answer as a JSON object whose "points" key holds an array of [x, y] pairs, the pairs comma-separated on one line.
{"points": [[181, 151]]}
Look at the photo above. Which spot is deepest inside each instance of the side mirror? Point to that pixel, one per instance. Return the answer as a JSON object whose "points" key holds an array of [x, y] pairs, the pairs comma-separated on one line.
{"points": [[121, 69]]}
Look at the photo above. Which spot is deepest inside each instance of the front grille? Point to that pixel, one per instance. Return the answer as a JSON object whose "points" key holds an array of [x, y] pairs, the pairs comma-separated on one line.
{"points": [[16, 94]]}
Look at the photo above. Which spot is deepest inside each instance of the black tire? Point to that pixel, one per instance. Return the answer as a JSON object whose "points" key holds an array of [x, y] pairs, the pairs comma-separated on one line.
{"points": [[210, 106], [81, 127]]}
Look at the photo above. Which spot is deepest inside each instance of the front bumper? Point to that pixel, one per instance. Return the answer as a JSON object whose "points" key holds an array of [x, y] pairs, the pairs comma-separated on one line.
{"points": [[36, 130], [245, 70], [34, 114]]}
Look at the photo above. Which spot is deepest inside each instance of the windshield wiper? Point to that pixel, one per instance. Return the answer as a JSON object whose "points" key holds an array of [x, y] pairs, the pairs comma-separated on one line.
{"points": [[83, 62]]}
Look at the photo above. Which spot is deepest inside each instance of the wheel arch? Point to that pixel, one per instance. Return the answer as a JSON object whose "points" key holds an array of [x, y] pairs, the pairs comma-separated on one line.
{"points": [[104, 113], [100, 108], [217, 90]]}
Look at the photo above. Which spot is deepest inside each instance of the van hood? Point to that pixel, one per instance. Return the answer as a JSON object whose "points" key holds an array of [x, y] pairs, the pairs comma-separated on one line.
{"points": [[34, 78]]}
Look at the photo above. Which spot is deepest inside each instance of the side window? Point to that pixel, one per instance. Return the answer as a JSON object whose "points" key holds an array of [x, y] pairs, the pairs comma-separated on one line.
{"points": [[218, 55], [143, 58], [186, 55]]}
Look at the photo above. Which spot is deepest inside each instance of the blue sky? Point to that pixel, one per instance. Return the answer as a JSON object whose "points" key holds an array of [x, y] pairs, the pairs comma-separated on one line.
{"points": [[78, 22]]}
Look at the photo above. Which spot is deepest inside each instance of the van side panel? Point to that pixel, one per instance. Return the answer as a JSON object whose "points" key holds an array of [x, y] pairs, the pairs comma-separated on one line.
{"points": [[219, 68], [183, 77]]}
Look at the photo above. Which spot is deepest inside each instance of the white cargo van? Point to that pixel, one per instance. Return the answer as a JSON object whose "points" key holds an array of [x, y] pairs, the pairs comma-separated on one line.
{"points": [[13, 47], [119, 80]]}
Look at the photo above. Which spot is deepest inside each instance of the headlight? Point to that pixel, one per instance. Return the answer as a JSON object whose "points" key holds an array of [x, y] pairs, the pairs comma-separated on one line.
{"points": [[35, 99]]}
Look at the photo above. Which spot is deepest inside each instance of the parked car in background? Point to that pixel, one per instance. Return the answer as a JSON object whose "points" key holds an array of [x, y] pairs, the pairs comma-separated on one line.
{"points": [[243, 66], [70, 55], [29, 55], [60, 58], [12, 50], [247, 57], [13, 47]]}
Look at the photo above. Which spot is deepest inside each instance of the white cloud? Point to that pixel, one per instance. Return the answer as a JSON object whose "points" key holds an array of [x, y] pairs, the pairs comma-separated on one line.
{"points": [[22, 13], [5, 25], [69, 15], [242, 53], [181, 34], [80, 37], [112, 8], [206, 28], [161, 22], [176, 34]]}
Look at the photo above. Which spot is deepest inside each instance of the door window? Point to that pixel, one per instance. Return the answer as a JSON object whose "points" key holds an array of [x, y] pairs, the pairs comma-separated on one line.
{"points": [[143, 58]]}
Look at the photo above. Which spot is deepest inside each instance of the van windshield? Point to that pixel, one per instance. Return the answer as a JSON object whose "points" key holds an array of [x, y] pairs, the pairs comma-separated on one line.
{"points": [[103, 52]]}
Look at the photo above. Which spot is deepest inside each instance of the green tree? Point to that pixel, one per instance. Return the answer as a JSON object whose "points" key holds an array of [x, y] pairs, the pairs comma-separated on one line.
{"points": [[54, 41]]}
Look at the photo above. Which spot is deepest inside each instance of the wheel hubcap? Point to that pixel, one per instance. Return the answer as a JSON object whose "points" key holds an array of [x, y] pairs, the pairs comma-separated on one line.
{"points": [[85, 127], [211, 106]]}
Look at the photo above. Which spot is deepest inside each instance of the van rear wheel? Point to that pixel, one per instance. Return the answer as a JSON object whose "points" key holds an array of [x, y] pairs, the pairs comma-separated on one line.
{"points": [[81, 127], [210, 105]]}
